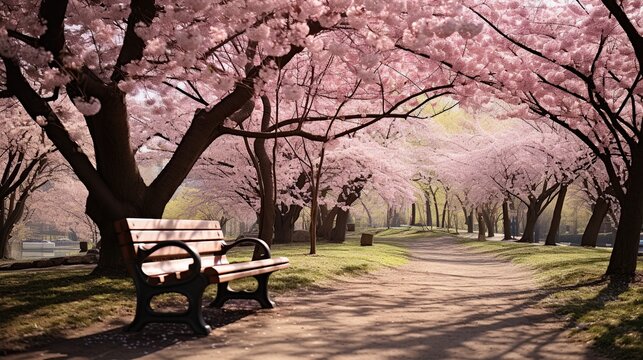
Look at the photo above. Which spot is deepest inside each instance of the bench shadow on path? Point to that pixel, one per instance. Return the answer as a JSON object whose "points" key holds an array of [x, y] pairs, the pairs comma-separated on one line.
{"points": [[117, 343]]}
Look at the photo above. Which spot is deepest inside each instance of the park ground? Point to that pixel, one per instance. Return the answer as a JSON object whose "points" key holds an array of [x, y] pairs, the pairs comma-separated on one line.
{"points": [[427, 296]]}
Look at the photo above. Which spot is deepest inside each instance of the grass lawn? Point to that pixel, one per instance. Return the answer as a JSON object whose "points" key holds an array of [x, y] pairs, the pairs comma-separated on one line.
{"points": [[41, 305], [607, 314]]}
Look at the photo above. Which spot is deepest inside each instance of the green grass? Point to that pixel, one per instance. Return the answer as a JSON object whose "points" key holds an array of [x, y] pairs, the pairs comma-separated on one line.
{"points": [[608, 314], [403, 232], [38, 306]]}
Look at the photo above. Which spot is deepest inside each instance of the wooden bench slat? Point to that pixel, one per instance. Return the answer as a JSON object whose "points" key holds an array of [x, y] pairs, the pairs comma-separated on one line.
{"points": [[236, 267], [179, 265], [210, 265], [243, 274], [165, 224], [173, 270], [150, 236]]}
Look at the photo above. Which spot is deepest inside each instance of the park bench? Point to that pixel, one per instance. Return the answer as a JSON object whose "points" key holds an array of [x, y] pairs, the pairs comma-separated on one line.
{"points": [[185, 256]]}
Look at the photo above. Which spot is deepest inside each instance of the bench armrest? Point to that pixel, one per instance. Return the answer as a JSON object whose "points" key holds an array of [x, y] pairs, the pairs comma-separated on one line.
{"points": [[258, 243], [195, 267]]}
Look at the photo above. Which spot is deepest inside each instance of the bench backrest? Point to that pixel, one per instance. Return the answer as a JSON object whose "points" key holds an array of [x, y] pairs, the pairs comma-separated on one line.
{"points": [[203, 236]]}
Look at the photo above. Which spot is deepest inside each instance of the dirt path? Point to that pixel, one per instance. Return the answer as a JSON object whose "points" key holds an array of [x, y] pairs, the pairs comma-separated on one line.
{"points": [[445, 304]]}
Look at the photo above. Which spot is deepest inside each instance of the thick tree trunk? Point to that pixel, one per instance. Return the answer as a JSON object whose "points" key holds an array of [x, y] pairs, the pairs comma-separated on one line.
{"points": [[427, 209], [481, 227], [552, 234], [590, 235], [4, 243], [624, 255], [487, 218], [506, 221], [338, 234], [326, 223], [412, 221], [468, 217], [530, 224], [12, 212], [285, 219], [396, 220]]}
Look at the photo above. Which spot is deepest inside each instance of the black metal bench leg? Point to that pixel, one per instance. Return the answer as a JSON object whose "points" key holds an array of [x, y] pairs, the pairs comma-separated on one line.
{"points": [[194, 317], [262, 291], [143, 314], [223, 295]]}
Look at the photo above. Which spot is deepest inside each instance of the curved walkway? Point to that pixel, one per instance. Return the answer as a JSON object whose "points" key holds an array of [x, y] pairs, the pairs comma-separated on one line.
{"points": [[446, 303]]}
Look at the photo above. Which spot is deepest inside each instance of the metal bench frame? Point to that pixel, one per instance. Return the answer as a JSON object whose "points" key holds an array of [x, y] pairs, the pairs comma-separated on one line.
{"points": [[191, 286]]}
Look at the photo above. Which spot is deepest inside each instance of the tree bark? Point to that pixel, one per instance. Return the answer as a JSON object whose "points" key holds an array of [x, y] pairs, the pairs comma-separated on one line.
{"points": [[327, 221], [267, 214], [427, 208], [412, 222], [368, 214], [285, 219], [626, 242], [444, 212], [530, 223], [506, 221], [481, 227], [396, 220], [590, 235], [552, 234], [338, 234], [435, 205], [487, 218]]}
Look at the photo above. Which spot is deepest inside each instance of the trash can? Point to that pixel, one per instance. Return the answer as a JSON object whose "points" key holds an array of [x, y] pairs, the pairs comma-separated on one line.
{"points": [[366, 240]]}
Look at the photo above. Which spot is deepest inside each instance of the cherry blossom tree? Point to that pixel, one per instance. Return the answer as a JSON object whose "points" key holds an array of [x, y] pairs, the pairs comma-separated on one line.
{"points": [[26, 163], [61, 204], [108, 57], [578, 65]]}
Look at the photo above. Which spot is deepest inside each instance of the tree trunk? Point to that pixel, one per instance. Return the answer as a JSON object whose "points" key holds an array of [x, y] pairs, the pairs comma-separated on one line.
{"points": [[427, 207], [444, 212], [555, 220], [12, 213], [397, 220], [325, 226], [506, 221], [4, 243], [487, 218], [468, 217], [338, 234], [435, 205], [263, 167], [481, 227], [368, 214], [590, 235], [626, 242], [530, 224], [412, 222], [285, 219]]}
